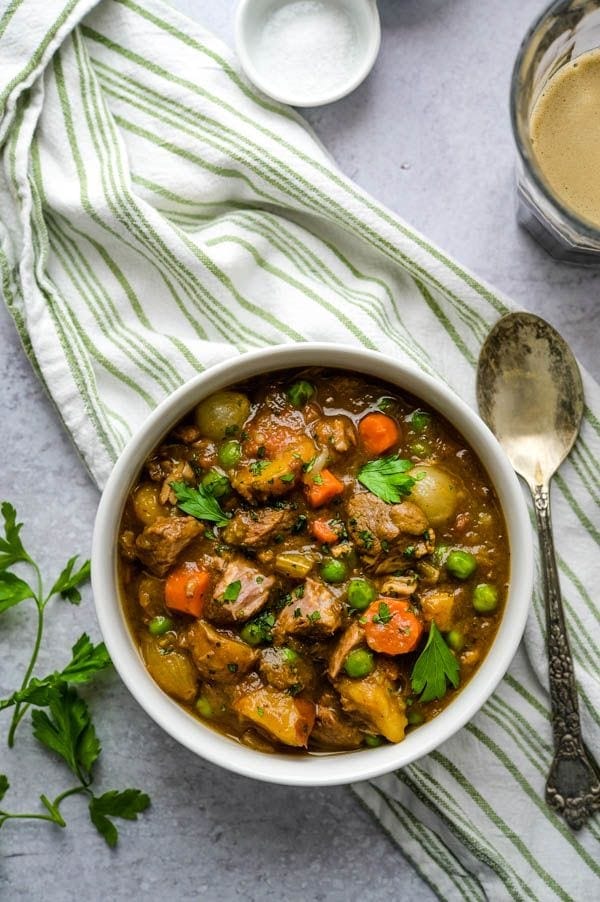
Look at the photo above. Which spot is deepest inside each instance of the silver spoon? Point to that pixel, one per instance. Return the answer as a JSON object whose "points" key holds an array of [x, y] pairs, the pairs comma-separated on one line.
{"points": [[530, 394]]}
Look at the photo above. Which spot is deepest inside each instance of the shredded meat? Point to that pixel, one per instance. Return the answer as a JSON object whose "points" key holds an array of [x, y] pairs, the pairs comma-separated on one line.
{"points": [[160, 544], [399, 586], [332, 728], [336, 433], [350, 639], [317, 613], [253, 594], [254, 529]]}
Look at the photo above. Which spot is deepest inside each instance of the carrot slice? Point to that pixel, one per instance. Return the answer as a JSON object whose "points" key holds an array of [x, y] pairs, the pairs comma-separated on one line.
{"points": [[323, 532], [322, 487], [391, 626], [378, 432], [186, 589]]}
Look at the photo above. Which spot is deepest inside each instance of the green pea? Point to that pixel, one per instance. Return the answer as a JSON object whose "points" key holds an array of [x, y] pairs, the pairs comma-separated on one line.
{"points": [[461, 564], [415, 717], [361, 593], [455, 640], [289, 655], [252, 633], [420, 420], [373, 741], [230, 454], [158, 626], [359, 663], [300, 392], [485, 598], [333, 571], [217, 484], [204, 707]]}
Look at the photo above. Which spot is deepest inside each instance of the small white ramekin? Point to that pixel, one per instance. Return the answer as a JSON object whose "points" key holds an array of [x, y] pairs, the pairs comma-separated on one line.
{"points": [[326, 769], [248, 19]]}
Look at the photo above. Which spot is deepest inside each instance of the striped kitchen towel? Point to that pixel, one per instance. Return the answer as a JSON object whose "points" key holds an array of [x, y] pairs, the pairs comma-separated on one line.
{"points": [[158, 215]]}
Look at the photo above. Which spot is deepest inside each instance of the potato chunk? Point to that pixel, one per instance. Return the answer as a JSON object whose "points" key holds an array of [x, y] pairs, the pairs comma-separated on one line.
{"points": [[439, 605], [376, 702], [172, 670], [286, 719]]}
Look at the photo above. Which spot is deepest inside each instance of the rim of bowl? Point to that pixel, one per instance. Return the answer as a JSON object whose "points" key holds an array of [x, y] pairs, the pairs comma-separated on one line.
{"points": [[353, 81], [316, 769]]}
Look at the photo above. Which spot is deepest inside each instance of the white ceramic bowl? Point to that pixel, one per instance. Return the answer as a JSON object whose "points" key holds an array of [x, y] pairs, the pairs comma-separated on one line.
{"points": [[250, 19], [324, 769]]}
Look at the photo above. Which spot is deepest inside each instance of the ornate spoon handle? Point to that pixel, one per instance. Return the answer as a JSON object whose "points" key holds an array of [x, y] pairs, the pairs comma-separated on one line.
{"points": [[573, 785]]}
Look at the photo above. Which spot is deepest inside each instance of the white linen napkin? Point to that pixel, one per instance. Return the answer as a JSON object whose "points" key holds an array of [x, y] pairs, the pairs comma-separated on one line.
{"points": [[158, 215]]}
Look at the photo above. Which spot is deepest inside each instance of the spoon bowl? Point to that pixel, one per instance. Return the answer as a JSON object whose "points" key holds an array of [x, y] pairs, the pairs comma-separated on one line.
{"points": [[530, 394]]}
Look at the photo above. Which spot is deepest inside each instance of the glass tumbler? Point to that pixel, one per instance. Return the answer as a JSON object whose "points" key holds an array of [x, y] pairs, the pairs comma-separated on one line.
{"points": [[563, 32]]}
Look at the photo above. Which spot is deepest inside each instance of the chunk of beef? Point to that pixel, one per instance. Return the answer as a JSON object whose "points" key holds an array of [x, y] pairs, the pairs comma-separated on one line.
{"points": [[255, 529], [336, 433], [252, 593], [399, 586], [372, 522], [351, 638], [376, 702], [160, 544], [285, 668], [281, 716], [317, 613], [332, 728], [180, 472], [218, 655]]}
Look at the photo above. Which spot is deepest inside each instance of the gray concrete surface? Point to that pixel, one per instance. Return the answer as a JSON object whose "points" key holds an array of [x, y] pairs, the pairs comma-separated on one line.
{"points": [[428, 134]]}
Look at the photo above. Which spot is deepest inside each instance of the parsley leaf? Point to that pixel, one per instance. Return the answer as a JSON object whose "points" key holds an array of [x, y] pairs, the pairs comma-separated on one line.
{"points": [[258, 466], [13, 590], [67, 582], [435, 667], [232, 591], [88, 659], [126, 804], [387, 477], [199, 503], [4, 785], [383, 615], [287, 477], [68, 731], [11, 547]]}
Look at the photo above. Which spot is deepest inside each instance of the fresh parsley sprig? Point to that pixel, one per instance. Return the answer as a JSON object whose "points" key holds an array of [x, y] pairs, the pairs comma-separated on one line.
{"points": [[61, 719], [435, 668], [388, 478], [200, 503]]}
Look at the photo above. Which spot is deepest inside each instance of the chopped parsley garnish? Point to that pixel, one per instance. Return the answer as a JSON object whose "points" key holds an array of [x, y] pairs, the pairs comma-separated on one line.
{"points": [[307, 467], [261, 451], [298, 592], [257, 467], [409, 551], [385, 403], [260, 711], [383, 615], [260, 579], [435, 668], [231, 429], [300, 523], [314, 616], [367, 538], [317, 479], [232, 591], [297, 613], [388, 478], [199, 503], [262, 627], [232, 667], [287, 477]]}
